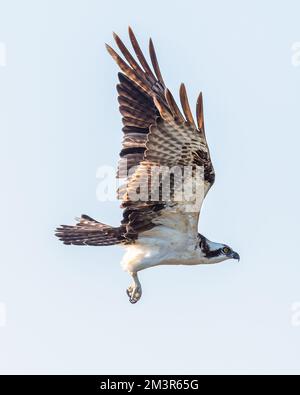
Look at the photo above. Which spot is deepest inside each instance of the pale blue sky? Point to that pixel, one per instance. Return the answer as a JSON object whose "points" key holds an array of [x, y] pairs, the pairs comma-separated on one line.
{"points": [[66, 307]]}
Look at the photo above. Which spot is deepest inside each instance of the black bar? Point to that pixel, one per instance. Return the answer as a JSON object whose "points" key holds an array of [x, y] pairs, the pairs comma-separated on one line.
{"points": [[99, 384]]}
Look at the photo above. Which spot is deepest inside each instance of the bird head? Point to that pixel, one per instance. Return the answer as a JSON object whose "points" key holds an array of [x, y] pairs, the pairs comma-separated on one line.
{"points": [[216, 252]]}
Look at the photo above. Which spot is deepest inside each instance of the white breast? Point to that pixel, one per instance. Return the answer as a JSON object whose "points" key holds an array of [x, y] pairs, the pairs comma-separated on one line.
{"points": [[172, 242]]}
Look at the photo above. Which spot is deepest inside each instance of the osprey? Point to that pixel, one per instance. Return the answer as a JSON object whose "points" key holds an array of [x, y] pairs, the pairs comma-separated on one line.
{"points": [[155, 230]]}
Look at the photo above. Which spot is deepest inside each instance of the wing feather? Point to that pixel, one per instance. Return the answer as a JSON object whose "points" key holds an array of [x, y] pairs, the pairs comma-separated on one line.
{"points": [[156, 134], [141, 57], [185, 105], [173, 106], [155, 63], [199, 113]]}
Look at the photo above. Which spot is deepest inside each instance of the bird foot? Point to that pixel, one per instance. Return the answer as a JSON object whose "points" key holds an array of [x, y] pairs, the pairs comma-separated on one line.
{"points": [[134, 293]]}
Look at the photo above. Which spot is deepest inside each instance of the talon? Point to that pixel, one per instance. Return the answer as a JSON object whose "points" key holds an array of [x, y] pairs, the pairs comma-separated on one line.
{"points": [[134, 291], [134, 294], [129, 292]]}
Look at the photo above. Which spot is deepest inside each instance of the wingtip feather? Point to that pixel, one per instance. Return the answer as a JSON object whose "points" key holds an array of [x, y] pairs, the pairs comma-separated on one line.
{"points": [[200, 113], [185, 104], [155, 62]]}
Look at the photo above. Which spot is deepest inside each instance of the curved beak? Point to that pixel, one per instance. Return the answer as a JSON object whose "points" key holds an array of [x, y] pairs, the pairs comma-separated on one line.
{"points": [[236, 256]]}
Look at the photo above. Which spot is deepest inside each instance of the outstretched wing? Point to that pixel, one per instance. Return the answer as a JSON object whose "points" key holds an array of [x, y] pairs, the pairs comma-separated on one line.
{"points": [[136, 88], [156, 134]]}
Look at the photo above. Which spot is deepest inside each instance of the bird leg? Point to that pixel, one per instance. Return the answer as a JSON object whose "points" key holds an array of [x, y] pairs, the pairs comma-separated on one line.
{"points": [[134, 292]]}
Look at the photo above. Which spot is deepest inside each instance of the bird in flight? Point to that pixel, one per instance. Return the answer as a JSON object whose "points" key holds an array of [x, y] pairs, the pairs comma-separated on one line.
{"points": [[167, 167]]}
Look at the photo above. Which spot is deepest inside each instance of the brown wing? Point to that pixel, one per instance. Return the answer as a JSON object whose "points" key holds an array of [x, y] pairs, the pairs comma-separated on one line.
{"points": [[136, 88], [156, 133]]}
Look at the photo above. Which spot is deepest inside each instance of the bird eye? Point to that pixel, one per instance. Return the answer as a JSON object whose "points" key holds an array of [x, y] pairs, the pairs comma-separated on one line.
{"points": [[226, 250]]}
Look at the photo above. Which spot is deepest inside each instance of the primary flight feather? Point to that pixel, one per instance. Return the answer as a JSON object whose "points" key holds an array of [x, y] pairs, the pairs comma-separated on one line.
{"points": [[166, 162]]}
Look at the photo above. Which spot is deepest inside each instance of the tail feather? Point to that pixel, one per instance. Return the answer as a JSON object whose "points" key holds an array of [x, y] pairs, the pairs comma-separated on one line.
{"points": [[90, 232]]}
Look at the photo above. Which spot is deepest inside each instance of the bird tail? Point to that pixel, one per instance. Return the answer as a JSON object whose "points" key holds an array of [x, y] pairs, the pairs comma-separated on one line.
{"points": [[90, 232]]}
